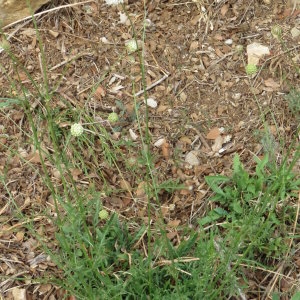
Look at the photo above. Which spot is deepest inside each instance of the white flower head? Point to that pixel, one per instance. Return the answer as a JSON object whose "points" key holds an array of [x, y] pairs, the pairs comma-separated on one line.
{"points": [[131, 46], [76, 129], [114, 2]]}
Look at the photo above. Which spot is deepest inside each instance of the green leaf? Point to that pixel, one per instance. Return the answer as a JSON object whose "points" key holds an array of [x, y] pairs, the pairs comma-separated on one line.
{"points": [[213, 216], [251, 189], [275, 296], [237, 165], [296, 296], [237, 207], [9, 102], [261, 164], [215, 181], [185, 246]]}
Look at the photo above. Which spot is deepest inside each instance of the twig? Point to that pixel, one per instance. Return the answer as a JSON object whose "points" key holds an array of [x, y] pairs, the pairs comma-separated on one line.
{"points": [[222, 58], [19, 225], [205, 144], [152, 85], [47, 11], [70, 59]]}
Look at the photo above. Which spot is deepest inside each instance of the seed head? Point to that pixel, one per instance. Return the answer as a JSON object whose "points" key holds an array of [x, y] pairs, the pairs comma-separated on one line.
{"points": [[131, 46], [113, 117], [103, 214], [276, 31], [76, 129], [251, 69]]}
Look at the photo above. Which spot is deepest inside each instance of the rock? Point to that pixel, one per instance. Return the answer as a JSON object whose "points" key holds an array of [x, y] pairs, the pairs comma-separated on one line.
{"points": [[192, 159], [151, 102], [255, 52], [295, 32], [13, 10]]}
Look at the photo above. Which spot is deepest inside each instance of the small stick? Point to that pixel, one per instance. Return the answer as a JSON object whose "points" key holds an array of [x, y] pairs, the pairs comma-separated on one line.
{"points": [[203, 140], [152, 85], [222, 58], [70, 59]]}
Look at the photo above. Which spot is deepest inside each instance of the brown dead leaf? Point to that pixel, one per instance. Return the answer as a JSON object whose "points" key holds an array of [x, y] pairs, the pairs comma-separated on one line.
{"points": [[174, 223], [219, 52], [164, 211], [171, 235], [100, 92], [141, 189], [297, 262], [45, 288], [185, 192], [162, 108], [285, 285], [20, 236], [221, 109], [125, 185], [272, 84], [185, 140], [29, 32], [213, 133], [20, 76], [194, 45], [115, 202], [218, 37], [196, 19], [224, 9], [34, 157], [75, 173], [166, 149], [273, 129]]}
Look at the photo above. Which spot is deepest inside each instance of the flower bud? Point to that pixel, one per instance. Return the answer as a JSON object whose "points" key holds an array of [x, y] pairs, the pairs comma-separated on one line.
{"points": [[131, 46], [113, 117], [76, 129], [276, 31], [251, 69], [103, 214]]}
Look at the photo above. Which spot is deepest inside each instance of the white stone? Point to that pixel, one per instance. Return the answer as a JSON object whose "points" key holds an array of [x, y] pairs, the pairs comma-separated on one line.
{"points": [[151, 102], [295, 32], [255, 52]]}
